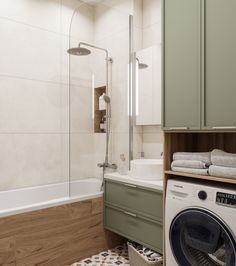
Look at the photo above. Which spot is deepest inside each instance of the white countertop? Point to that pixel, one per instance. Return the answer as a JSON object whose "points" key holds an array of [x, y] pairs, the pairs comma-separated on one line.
{"points": [[158, 185]]}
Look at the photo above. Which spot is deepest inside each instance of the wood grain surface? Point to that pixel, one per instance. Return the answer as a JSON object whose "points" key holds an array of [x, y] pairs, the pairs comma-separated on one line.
{"points": [[55, 236]]}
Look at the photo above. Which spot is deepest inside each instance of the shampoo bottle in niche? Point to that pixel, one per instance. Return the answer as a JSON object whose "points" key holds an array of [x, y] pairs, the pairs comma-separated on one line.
{"points": [[122, 167], [102, 125], [102, 104]]}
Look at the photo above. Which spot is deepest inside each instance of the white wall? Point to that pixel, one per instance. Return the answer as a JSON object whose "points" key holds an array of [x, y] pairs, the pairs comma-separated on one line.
{"points": [[151, 23], [34, 86], [31, 93]]}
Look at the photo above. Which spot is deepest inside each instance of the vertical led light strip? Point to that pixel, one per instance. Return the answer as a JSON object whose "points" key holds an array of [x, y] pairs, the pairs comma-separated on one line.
{"points": [[93, 90], [131, 90], [137, 88]]}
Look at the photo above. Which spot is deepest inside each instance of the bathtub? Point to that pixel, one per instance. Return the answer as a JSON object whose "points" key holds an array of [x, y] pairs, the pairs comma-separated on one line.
{"points": [[40, 197]]}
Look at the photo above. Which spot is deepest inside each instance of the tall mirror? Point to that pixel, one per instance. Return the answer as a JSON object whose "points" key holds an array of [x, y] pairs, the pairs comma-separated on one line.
{"points": [[146, 137], [148, 86]]}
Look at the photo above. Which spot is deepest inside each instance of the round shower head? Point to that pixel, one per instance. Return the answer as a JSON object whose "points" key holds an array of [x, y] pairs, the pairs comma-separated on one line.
{"points": [[80, 51], [142, 66]]}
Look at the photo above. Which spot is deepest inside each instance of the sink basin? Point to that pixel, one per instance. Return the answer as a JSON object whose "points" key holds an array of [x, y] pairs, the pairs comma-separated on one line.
{"points": [[147, 169]]}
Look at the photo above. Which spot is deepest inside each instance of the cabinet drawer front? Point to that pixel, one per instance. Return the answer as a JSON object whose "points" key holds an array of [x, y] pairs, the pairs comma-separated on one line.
{"points": [[148, 203], [134, 228]]}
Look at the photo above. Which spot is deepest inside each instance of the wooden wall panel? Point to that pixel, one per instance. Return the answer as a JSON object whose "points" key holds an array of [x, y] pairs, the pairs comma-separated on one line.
{"points": [[55, 236]]}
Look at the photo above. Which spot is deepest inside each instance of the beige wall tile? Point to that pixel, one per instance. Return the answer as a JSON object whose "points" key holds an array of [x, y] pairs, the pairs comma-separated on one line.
{"points": [[30, 160]]}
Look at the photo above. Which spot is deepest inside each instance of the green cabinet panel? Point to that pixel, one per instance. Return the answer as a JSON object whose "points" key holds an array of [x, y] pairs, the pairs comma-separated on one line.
{"points": [[182, 64], [147, 202], [146, 232], [219, 92]]}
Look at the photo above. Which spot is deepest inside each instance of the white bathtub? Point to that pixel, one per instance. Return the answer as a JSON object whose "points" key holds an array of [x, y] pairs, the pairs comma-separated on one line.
{"points": [[41, 197]]}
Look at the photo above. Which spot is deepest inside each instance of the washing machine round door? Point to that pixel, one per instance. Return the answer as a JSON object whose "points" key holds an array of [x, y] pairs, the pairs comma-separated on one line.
{"points": [[197, 237]]}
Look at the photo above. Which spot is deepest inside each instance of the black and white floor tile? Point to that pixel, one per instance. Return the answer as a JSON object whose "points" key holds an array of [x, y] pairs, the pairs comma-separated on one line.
{"points": [[113, 257]]}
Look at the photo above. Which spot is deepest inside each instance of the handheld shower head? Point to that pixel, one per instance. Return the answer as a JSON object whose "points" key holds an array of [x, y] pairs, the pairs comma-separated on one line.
{"points": [[107, 99], [142, 66]]}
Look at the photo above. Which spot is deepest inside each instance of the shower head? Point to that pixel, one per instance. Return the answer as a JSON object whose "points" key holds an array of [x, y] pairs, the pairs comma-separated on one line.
{"points": [[107, 99], [79, 51], [142, 66]]}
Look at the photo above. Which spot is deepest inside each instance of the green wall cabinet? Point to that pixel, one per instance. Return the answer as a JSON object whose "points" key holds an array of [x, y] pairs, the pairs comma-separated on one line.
{"points": [[219, 90], [181, 64], [199, 65]]}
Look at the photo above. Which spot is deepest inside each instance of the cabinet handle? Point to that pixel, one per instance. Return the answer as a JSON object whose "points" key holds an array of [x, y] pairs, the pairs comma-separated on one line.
{"points": [[229, 127], [129, 185], [130, 214], [179, 128]]}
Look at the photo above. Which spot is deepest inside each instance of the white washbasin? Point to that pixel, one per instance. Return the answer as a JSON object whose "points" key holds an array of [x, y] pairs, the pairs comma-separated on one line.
{"points": [[147, 169]]}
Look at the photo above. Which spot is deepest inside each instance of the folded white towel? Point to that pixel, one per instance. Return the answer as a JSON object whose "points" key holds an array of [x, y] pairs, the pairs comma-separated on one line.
{"points": [[221, 158], [190, 170], [222, 171], [204, 157], [190, 164]]}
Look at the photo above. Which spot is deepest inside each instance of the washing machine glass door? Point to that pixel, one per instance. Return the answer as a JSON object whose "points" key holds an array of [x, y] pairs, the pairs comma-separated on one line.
{"points": [[198, 237]]}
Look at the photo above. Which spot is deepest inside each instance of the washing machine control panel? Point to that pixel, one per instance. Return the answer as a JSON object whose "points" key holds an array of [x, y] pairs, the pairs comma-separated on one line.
{"points": [[226, 199]]}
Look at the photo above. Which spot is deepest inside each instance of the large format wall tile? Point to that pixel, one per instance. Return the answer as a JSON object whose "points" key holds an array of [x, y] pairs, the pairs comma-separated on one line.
{"points": [[119, 108], [82, 24], [153, 144], [30, 160], [81, 108], [29, 106], [120, 145], [81, 156], [152, 35], [43, 14], [29, 52], [124, 6], [108, 21], [40, 99], [151, 12]]}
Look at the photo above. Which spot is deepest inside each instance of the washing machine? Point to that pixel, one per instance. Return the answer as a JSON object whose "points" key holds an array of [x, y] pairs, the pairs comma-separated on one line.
{"points": [[200, 224]]}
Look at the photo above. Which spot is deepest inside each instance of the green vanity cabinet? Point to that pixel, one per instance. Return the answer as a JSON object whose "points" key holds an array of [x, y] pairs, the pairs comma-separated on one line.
{"points": [[181, 64], [134, 212], [219, 91], [199, 65]]}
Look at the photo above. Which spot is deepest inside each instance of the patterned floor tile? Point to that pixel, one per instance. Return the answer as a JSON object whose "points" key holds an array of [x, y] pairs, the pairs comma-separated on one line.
{"points": [[112, 257]]}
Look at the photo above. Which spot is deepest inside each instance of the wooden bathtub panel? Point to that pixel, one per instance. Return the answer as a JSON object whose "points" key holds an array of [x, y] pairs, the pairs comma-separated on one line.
{"points": [[81, 209], [97, 206], [7, 250], [39, 241], [45, 218], [55, 236]]}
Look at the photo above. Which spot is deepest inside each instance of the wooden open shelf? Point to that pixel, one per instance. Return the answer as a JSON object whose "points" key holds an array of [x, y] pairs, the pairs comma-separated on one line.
{"points": [[197, 142], [203, 177]]}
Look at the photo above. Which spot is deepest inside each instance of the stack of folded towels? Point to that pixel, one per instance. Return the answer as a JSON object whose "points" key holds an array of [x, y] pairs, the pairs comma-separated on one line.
{"points": [[191, 162], [223, 164]]}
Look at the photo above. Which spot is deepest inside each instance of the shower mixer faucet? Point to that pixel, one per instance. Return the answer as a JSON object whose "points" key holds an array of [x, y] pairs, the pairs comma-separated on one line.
{"points": [[107, 165]]}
